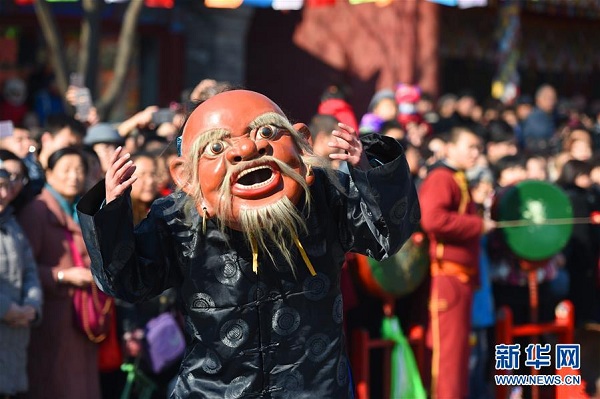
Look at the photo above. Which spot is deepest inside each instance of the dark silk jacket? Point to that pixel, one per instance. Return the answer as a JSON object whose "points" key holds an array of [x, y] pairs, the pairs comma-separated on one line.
{"points": [[272, 334]]}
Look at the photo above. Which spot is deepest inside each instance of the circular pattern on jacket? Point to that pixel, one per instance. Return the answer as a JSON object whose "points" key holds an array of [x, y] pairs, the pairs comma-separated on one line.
{"points": [[342, 372], [203, 302], [338, 309], [228, 273], [415, 213], [316, 287], [237, 387], [211, 364], [234, 333], [317, 347], [286, 320], [398, 211], [292, 383]]}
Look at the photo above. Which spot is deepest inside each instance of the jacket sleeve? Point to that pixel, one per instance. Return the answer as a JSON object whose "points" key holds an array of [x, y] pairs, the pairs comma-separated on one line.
{"points": [[439, 215], [32, 289], [379, 209], [127, 264]]}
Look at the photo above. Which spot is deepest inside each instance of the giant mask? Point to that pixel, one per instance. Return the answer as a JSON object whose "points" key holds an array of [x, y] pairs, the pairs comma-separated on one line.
{"points": [[241, 156]]}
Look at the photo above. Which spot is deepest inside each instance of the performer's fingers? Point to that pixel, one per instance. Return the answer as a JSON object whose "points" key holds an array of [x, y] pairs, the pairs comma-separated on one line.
{"points": [[116, 155], [124, 185], [125, 172], [340, 143], [342, 156], [343, 135], [117, 165], [347, 128]]}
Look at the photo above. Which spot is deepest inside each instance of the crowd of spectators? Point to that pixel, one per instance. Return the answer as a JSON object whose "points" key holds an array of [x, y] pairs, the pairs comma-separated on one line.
{"points": [[50, 159]]}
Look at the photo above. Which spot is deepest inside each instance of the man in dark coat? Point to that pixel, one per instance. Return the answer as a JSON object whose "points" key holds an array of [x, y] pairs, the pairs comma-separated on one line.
{"points": [[539, 127], [254, 241]]}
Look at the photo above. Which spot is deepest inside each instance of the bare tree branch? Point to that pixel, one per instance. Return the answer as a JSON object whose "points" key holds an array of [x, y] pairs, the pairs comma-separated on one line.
{"points": [[88, 61], [123, 57], [54, 42], [89, 43]]}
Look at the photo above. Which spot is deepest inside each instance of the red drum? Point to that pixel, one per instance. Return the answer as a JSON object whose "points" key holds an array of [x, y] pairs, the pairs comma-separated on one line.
{"points": [[400, 274]]}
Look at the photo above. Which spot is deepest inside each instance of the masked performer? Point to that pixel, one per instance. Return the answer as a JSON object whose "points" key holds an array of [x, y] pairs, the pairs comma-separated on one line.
{"points": [[253, 241]]}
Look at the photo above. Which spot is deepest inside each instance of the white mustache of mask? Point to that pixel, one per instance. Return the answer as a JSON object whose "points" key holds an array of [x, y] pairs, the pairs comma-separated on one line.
{"points": [[284, 168]]}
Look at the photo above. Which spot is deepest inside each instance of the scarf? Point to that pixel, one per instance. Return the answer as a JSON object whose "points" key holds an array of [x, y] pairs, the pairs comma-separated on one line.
{"points": [[67, 207]]}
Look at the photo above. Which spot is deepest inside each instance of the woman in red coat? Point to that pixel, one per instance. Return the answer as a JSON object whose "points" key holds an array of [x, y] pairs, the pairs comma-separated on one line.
{"points": [[62, 361]]}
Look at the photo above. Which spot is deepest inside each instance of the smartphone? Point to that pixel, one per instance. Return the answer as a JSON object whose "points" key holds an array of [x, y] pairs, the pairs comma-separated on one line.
{"points": [[83, 97], [76, 79], [83, 103], [163, 115], [6, 129]]}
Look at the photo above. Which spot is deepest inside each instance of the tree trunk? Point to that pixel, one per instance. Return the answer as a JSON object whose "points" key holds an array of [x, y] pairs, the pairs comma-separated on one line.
{"points": [[89, 44], [123, 58], [54, 42]]}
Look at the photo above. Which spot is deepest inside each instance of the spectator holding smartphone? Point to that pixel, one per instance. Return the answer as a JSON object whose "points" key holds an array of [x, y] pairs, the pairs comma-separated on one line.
{"points": [[80, 98]]}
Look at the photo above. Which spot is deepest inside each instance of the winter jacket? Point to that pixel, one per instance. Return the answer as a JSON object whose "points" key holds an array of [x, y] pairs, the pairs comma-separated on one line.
{"points": [[57, 340], [454, 234], [20, 284], [276, 333]]}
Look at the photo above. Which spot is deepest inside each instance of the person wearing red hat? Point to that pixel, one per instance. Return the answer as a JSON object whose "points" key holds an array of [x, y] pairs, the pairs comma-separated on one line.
{"points": [[334, 103], [407, 97]]}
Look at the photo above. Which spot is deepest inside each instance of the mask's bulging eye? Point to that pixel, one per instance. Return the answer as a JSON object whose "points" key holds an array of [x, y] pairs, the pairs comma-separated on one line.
{"points": [[267, 132], [215, 148]]}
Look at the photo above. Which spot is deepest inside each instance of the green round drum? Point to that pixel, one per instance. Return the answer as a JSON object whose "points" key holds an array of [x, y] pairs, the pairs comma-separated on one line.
{"points": [[403, 272], [544, 212]]}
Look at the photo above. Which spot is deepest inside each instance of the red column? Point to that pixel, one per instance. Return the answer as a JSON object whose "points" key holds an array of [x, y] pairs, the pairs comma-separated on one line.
{"points": [[428, 39]]}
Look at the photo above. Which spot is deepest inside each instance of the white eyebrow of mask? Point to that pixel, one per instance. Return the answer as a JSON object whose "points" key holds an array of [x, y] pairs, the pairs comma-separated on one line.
{"points": [[270, 118]]}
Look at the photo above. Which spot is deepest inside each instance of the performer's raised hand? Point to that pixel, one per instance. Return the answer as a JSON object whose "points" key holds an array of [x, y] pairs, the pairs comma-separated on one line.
{"points": [[119, 176], [347, 140]]}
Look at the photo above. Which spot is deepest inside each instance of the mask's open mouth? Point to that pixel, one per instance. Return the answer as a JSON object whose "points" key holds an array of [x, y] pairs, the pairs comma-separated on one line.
{"points": [[256, 182], [256, 177]]}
